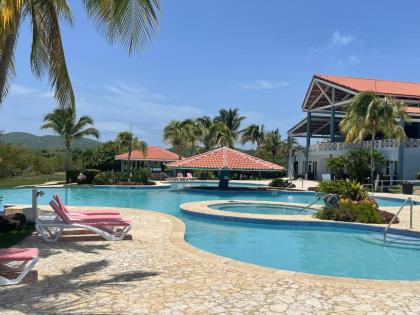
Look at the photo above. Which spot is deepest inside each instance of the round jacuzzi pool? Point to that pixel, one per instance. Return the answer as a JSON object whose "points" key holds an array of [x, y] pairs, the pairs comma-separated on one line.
{"points": [[261, 208]]}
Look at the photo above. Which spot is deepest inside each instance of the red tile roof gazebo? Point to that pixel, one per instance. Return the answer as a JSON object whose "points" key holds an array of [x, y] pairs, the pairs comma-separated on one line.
{"points": [[154, 158], [153, 153], [224, 160]]}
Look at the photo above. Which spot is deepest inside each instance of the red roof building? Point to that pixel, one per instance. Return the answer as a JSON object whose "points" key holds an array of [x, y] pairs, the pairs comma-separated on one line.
{"points": [[225, 159], [325, 104], [385, 87], [154, 159], [153, 153]]}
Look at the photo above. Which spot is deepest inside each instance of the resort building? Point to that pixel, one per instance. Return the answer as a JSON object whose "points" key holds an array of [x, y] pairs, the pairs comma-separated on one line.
{"points": [[325, 106], [155, 159]]}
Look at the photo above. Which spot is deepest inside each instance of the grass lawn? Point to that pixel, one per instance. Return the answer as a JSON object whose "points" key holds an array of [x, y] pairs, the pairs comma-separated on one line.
{"points": [[398, 189], [10, 238], [31, 180]]}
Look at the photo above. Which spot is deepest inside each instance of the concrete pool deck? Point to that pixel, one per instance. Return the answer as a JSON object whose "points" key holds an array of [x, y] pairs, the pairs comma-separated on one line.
{"points": [[159, 273]]}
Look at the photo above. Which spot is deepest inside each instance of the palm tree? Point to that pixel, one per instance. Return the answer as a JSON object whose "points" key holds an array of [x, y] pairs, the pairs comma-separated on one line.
{"points": [[272, 143], [231, 119], [254, 134], [127, 142], [207, 138], [176, 135], [132, 22], [64, 123], [193, 130], [222, 135], [367, 115]]}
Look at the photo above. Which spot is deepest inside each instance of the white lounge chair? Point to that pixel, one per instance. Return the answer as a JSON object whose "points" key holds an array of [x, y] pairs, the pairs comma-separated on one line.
{"points": [[16, 263], [110, 228]]}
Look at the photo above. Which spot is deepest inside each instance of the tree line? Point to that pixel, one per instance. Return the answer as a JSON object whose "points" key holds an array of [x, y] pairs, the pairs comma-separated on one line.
{"points": [[197, 135]]}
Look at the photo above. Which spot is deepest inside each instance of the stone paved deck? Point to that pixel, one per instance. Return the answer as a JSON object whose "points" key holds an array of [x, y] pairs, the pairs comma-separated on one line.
{"points": [[158, 273]]}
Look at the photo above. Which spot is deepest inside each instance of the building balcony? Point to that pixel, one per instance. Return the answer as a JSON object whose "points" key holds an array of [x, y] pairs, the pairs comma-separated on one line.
{"points": [[379, 145]]}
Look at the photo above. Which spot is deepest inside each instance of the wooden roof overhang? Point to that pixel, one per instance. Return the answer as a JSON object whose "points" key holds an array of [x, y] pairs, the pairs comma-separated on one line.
{"points": [[320, 126]]}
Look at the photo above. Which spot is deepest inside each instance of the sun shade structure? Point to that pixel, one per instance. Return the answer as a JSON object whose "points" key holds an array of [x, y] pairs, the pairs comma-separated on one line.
{"points": [[224, 160], [154, 158]]}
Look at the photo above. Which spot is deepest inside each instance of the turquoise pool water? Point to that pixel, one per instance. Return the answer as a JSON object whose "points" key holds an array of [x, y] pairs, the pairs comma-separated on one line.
{"points": [[320, 250], [260, 208], [311, 249]]}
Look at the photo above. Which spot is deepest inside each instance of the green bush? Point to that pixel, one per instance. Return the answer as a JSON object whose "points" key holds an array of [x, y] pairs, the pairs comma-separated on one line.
{"points": [[418, 175], [138, 176], [90, 176], [350, 211], [277, 182], [344, 189], [71, 176]]}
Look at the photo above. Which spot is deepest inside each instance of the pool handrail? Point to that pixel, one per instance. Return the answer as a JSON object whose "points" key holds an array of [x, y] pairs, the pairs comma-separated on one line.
{"points": [[396, 215], [311, 204]]}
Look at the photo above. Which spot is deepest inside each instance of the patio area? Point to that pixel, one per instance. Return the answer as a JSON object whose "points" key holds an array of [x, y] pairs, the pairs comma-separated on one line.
{"points": [[158, 272]]}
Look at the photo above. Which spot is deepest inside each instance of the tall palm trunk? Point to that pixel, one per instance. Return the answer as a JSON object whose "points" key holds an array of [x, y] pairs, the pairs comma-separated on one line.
{"points": [[129, 165], [67, 158], [372, 158], [178, 151], [6, 57]]}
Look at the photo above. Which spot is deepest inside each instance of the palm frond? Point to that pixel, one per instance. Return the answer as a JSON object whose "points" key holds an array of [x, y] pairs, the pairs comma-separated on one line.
{"points": [[47, 50], [132, 22]]}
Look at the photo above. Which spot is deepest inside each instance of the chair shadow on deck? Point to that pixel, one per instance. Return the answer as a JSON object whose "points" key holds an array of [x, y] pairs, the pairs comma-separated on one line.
{"points": [[28, 298]]}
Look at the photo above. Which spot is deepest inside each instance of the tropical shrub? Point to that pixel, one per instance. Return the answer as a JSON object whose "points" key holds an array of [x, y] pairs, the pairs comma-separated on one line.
{"points": [[138, 176], [418, 175], [277, 182], [71, 176], [350, 211], [336, 165], [104, 178], [358, 163], [344, 189]]}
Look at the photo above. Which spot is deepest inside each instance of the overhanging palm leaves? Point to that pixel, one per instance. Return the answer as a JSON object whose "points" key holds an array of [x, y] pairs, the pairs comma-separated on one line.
{"points": [[369, 115], [131, 22], [176, 135], [254, 134]]}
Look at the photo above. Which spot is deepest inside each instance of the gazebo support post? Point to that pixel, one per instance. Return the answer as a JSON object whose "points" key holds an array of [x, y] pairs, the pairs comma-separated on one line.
{"points": [[223, 179]]}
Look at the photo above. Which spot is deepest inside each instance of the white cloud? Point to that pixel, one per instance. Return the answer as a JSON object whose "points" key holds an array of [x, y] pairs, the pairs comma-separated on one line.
{"points": [[264, 85], [353, 59], [114, 108], [119, 106], [338, 39], [21, 90], [350, 60]]}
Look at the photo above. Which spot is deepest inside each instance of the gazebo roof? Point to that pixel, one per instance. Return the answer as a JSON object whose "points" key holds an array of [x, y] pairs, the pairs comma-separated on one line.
{"points": [[153, 153], [225, 159]]}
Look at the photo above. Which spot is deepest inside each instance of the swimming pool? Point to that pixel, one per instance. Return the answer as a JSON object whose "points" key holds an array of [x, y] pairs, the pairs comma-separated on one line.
{"points": [[318, 250], [260, 208]]}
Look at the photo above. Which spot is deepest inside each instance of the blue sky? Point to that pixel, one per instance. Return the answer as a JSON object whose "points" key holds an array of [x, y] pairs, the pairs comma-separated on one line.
{"points": [[258, 56]]}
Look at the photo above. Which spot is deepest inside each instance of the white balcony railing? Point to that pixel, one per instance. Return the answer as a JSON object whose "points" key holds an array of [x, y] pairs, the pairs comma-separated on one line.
{"points": [[379, 144]]}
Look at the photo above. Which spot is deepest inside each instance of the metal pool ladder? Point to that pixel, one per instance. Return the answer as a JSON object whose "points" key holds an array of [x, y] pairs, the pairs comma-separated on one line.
{"points": [[409, 199]]}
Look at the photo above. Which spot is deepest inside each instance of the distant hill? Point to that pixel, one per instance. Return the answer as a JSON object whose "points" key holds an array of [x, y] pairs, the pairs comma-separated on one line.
{"points": [[44, 142]]}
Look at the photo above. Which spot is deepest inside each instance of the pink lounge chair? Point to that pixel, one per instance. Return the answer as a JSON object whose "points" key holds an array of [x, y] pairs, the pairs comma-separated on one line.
{"points": [[190, 177], [110, 228], [16, 261], [85, 212]]}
